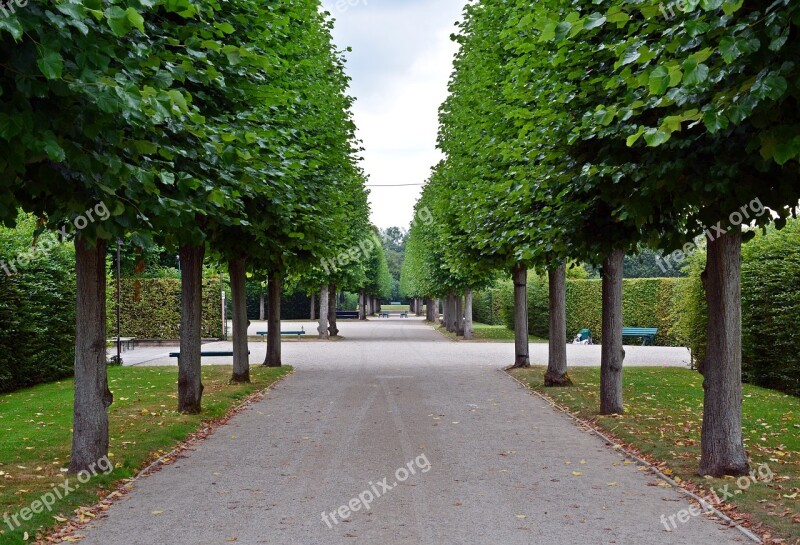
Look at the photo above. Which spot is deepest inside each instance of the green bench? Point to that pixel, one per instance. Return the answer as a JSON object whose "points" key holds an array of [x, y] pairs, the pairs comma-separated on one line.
{"points": [[347, 315], [646, 333], [211, 354], [264, 334]]}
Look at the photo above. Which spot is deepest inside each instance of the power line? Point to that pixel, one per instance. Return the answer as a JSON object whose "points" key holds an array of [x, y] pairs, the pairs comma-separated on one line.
{"points": [[395, 185]]}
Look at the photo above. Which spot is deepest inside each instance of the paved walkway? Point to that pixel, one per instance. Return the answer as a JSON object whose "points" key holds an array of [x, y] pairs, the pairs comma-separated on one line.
{"points": [[492, 464], [396, 329]]}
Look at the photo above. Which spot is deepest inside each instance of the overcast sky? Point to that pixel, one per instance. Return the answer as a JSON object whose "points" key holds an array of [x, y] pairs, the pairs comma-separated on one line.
{"points": [[400, 64]]}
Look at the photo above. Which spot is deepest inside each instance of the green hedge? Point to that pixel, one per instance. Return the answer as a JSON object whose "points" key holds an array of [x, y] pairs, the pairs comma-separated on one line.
{"points": [[487, 306], [770, 309], [151, 308], [37, 312], [294, 306], [647, 302]]}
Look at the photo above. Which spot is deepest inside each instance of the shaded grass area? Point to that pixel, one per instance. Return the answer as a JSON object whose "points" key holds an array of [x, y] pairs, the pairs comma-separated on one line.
{"points": [[35, 435], [395, 307], [485, 332], [663, 419]]}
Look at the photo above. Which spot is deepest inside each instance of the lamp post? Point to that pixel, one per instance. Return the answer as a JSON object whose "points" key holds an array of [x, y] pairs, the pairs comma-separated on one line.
{"points": [[119, 302]]}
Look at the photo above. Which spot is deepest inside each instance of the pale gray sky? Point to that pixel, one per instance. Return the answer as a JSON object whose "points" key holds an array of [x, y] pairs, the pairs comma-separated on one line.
{"points": [[400, 64]]}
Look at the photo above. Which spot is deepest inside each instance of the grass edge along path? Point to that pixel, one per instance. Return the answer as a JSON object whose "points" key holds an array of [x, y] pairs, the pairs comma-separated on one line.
{"points": [[146, 433], [662, 426], [487, 333]]}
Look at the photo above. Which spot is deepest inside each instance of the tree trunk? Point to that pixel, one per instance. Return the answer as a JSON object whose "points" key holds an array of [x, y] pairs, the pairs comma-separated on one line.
{"points": [[557, 360], [612, 353], [274, 321], [436, 311], [449, 313], [721, 442], [190, 387], [323, 313], [237, 268], [459, 315], [313, 306], [332, 327], [362, 304], [92, 396], [520, 277], [261, 307], [429, 310], [468, 314]]}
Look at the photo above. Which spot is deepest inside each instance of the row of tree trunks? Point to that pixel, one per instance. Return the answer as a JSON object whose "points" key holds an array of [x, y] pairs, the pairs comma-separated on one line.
{"points": [[92, 396], [459, 316], [556, 374], [323, 313], [522, 354], [611, 353], [273, 358], [333, 329], [190, 387], [237, 269]]}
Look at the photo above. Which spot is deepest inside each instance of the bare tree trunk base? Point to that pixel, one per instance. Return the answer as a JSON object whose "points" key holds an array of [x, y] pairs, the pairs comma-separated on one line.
{"points": [[557, 381], [240, 379]]}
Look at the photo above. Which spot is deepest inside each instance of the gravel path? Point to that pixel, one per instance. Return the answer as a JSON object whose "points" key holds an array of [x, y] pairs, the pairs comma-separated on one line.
{"points": [[492, 464]]}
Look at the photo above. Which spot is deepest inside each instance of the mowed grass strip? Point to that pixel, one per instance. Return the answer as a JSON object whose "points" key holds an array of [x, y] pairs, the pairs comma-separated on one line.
{"points": [[485, 332], [663, 419], [35, 435]]}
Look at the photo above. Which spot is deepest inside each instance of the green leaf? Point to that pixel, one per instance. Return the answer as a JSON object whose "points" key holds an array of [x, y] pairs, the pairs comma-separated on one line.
{"points": [[12, 26], [118, 21], [50, 63], [655, 137], [659, 80], [135, 19], [715, 121], [694, 73], [593, 21]]}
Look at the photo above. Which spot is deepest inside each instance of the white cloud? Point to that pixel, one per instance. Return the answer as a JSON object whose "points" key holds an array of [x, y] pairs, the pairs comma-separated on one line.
{"points": [[400, 65]]}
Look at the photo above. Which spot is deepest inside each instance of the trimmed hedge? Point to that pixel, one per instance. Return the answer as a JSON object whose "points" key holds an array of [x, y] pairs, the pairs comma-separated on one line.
{"points": [[151, 308], [647, 302], [487, 306], [37, 312], [294, 306], [770, 309]]}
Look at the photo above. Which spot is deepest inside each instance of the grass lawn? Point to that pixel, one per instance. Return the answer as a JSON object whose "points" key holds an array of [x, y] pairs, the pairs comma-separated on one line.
{"points": [[35, 435], [662, 420], [395, 307], [484, 332]]}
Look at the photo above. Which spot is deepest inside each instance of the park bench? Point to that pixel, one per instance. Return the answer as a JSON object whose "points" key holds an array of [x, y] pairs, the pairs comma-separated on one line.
{"points": [[211, 354], [404, 314], [128, 343], [347, 315], [383, 314], [283, 333], [646, 333]]}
